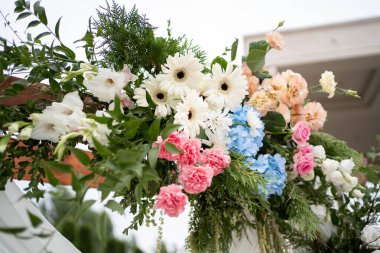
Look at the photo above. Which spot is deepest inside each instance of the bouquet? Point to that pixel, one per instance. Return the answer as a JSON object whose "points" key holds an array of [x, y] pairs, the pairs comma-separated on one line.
{"points": [[164, 129]]}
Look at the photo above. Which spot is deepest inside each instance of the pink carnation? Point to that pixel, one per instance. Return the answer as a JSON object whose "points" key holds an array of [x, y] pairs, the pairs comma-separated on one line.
{"points": [[176, 138], [297, 89], [301, 133], [196, 179], [304, 163], [171, 200], [191, 149], [216, 159]]}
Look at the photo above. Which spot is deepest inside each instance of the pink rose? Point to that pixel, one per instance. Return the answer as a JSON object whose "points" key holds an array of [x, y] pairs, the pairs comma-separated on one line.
{"points": [[275, 40], [304, 164], [301, 133], [216, 159], [176, 138], [171, 200], [191, 149], [195, 179]]}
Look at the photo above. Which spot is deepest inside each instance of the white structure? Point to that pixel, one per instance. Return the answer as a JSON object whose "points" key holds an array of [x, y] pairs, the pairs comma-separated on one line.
{"points": [[352, 51], [14, 213]]}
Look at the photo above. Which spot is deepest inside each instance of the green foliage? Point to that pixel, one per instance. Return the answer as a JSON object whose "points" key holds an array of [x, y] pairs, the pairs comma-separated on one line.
{"points": [[274, 122], [128, 37], [228, 206], [336, 148]]}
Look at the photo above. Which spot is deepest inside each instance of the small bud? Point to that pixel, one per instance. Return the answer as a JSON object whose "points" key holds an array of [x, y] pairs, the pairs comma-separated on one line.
{"points": [[352, 93]]}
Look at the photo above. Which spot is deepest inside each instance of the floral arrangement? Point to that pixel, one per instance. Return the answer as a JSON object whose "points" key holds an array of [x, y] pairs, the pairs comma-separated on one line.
{"points": [[164, 129]]}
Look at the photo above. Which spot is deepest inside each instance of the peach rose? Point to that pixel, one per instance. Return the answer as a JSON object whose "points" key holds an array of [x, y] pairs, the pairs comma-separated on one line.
{"points": [[261, 102], [275, 40], [297, 89], [284, 110], [314, 115]]}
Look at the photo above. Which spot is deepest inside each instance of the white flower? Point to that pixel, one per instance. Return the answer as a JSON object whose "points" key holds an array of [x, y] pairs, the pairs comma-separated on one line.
{"points": [[25, 133], [106, 84], [140, 96], [328, 166], [191, 114], [91, 129], [328, 83], [319, 152], [308, 176], [218, 121], [320, 211], [351, 182], [357, 194], [13, 127], [48, 127], [347, 165], [254, 123], [293, 174], [218, 139], [371, 236], [163, 100], [180, 73], [336, 178], [228, 88]]}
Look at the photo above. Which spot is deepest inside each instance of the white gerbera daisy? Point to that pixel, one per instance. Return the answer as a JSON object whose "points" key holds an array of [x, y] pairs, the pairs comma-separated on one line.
{"points": [[106, 84], [229, 87], [218, 139], [180, 73], [191, 113], [140, 96]]}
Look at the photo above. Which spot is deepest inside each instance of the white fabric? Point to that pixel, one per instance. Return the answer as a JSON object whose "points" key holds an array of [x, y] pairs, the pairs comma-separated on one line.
{"points": [[13, 213], [246, 244]]}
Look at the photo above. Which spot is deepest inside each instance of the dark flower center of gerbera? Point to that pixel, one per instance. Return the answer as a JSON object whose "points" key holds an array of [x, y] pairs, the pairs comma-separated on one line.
{"points": [[224, 86], [190, 115], [180, 74], [160, 96]]}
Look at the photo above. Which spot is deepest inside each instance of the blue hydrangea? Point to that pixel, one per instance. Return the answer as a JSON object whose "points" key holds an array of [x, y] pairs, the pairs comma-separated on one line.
{"points": [[273, 170], [241, 139]]}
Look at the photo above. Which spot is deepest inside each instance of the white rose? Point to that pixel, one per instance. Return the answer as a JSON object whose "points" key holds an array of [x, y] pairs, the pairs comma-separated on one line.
{"points": [[351, 182], [336, 178], [319, 152], [371, 236], [308, 176], [347, 165], [328, 83], [357, 194], [327, 229], [328, 166]]}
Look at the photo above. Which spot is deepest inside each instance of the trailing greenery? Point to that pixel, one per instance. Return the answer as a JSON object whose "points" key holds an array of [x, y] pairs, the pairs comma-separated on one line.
{"points": [[128, 37], [226, 208]]}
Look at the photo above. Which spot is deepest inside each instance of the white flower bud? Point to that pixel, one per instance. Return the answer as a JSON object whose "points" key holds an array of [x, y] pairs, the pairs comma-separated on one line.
{"points": [[357, 194], [308, 176], [25, 133]]}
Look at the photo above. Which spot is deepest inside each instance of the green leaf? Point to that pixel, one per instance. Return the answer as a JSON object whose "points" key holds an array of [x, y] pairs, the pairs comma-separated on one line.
{"points": [[261, 44], [36, 6], [138, 193], [4, 142], [57, 27], [274, 122], [103, 151], [36, 221], [42, 15], [280, 24], [75, 182], [168, 130], [115, 206], [39, 36], [154, 129], [14, 230], [23, 15], [52, 179], [34, 23], [81, 155], [221, 61], [101, 228], [234, 49], [152, 157], [256, 59], [84, 207], [54, 84], [171, 148], [59, 166]]}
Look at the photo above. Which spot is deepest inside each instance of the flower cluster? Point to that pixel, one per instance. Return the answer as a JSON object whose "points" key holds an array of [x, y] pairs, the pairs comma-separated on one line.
{"points": [[273, 170]]}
